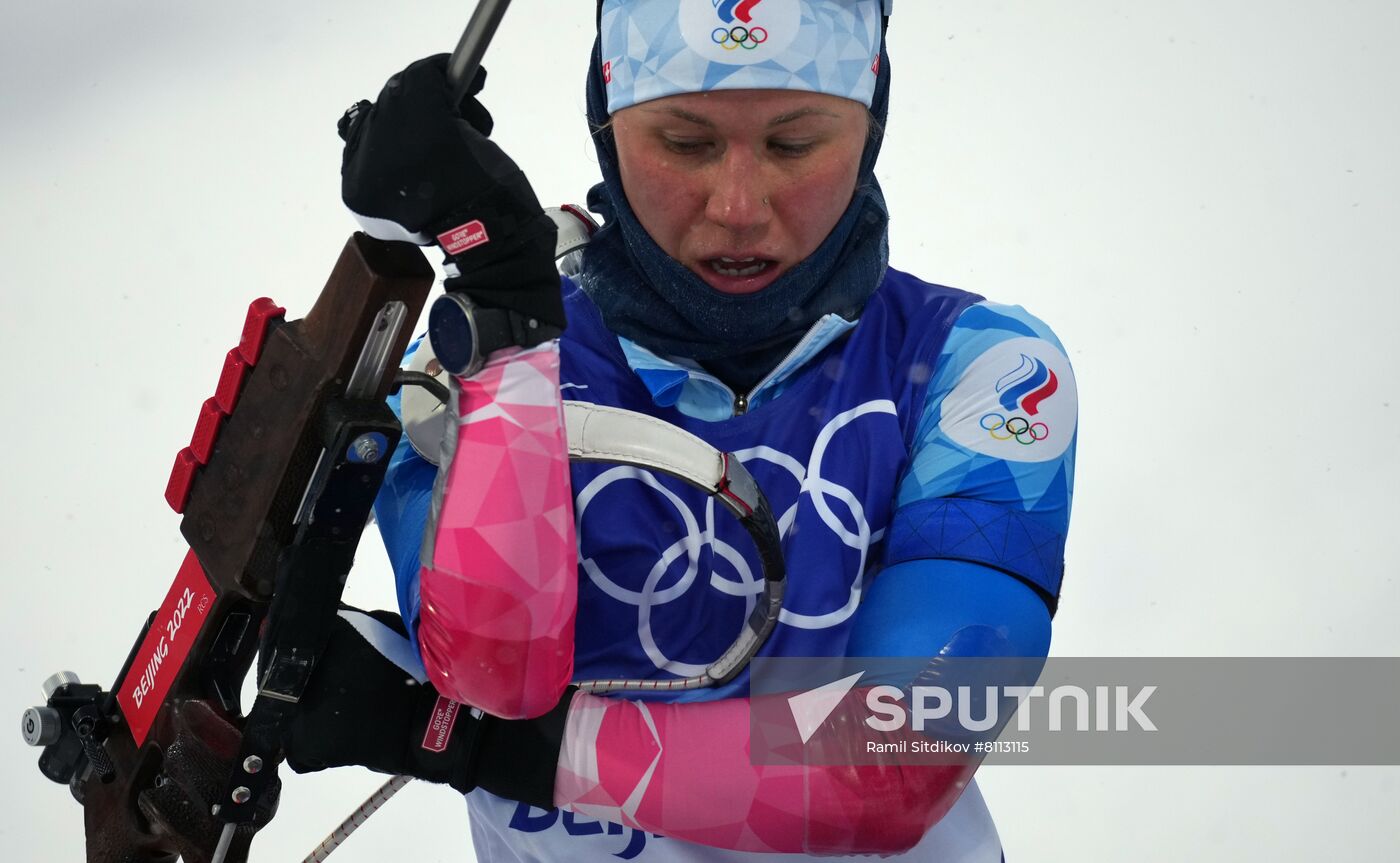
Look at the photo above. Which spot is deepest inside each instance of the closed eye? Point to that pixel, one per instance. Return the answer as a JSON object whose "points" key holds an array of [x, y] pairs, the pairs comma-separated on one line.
{"points": [[685, 146], [792, 148]]}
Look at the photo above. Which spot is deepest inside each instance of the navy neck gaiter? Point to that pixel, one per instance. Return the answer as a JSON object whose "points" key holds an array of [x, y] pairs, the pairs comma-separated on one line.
{"points": [[650, 298]]}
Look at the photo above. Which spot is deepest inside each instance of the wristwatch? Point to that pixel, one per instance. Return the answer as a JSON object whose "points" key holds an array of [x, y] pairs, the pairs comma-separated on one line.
{"points": [[464, 334]]}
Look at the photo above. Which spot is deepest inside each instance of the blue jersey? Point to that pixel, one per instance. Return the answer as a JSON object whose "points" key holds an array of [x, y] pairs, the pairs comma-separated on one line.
{"points": [[939, 426]]}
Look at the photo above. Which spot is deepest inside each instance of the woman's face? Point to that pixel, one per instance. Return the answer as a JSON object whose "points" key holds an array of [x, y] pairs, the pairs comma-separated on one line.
{"points": [[740, 185]]}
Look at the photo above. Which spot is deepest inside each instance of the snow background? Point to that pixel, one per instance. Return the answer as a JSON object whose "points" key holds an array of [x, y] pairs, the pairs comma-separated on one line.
{"points": [[1203, 198]]}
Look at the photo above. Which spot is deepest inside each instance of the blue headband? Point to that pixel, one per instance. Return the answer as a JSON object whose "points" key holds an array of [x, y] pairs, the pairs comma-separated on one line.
{"points": [[656, 48]]}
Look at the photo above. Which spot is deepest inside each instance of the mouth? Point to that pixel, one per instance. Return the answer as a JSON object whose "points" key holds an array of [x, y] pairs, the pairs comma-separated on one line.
{"points": [[738, 268], [739, 274]]}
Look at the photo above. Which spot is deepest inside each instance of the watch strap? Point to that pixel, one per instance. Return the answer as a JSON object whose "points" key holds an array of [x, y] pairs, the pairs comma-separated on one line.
{"points": [[502, 328]]}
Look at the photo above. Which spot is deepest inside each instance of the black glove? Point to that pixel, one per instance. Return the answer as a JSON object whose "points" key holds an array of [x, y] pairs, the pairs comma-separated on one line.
{"points": [[192, 777], [420, 168], [360, 707]]}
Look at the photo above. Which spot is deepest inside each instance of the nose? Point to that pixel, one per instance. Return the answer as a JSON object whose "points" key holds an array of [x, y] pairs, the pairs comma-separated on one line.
{"points": [[739, 195]]}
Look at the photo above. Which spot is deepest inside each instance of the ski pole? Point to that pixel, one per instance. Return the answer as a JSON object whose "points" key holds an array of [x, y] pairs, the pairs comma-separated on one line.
{"points": [[356, 818], [466, 57]]}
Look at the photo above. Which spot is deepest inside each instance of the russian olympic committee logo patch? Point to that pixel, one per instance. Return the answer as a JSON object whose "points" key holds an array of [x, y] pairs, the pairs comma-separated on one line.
{"points": [[740, 32], [1017, 402]]}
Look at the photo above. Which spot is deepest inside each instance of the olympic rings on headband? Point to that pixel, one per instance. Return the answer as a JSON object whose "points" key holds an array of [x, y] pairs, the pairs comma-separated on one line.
{"points": [[1019, 429], [739, 37]]}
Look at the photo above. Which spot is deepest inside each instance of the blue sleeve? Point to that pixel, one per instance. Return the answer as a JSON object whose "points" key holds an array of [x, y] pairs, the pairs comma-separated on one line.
{"points": [[949, 608], [401, 511], [992, 465]]}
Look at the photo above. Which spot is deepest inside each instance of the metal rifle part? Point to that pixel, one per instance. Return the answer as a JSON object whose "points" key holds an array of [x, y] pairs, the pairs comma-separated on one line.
{"points": [[225, 842], [377, 352], [426, 381], [466, 57]]}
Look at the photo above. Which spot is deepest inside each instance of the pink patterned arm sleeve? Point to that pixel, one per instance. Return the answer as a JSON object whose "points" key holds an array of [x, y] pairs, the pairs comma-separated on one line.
{"points": [[498, 580], [684, 770]]}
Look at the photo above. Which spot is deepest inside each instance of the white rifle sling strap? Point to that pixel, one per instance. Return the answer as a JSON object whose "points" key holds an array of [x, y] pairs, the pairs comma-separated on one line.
{"points": [[576, 228], [599, 433], [618, 436]]}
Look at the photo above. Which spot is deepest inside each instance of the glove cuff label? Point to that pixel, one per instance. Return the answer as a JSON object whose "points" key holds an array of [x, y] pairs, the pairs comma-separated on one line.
{"points": [[463, 237], [440, 724]]}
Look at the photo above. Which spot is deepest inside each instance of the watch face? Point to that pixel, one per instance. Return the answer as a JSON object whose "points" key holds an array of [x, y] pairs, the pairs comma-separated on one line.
{"points": [[452, 330]]}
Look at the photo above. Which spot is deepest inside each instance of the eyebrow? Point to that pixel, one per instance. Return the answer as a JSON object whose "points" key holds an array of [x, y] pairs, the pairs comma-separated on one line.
{"points": [[682, 114], [799, 114]]}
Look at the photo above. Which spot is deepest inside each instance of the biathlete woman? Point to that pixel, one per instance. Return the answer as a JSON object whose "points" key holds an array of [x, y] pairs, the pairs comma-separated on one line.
{"points": [[916, 443]]}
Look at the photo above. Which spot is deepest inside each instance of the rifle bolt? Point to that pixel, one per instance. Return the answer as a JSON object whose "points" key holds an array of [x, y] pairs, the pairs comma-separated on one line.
{"points": [[242, 795], [252, 764]]}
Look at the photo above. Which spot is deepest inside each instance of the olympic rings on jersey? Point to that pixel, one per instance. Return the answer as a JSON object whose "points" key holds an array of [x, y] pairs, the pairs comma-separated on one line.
{"points": [[1019, 429], [662, 585], [739, 37]]}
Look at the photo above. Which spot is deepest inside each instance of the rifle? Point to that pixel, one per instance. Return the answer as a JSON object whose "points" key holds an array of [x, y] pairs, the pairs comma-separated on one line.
{"points": [[276, 485], [275, 488]]}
